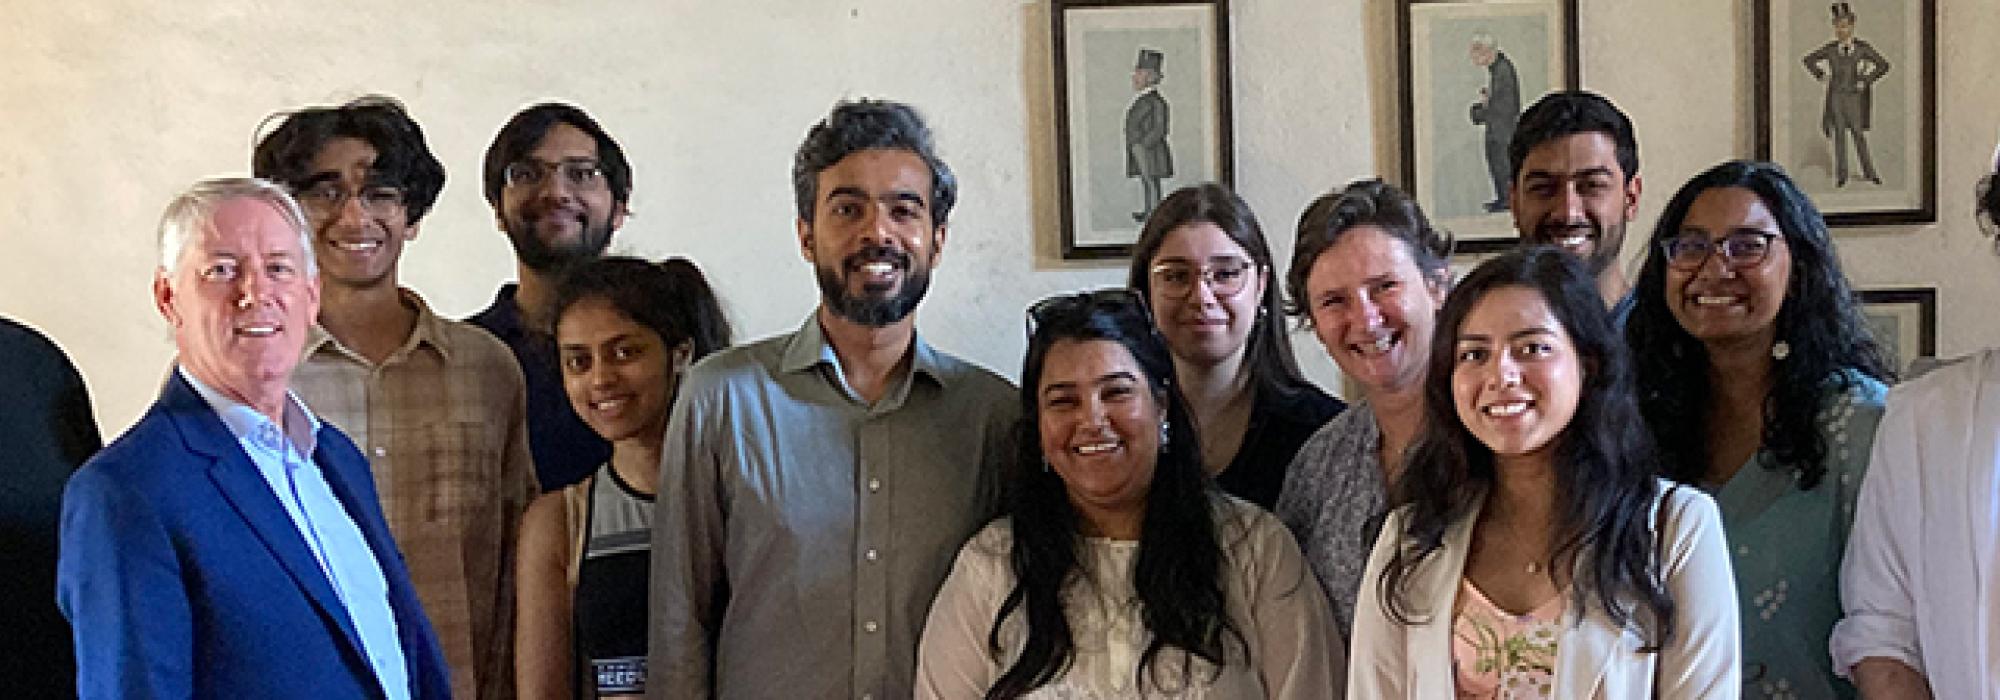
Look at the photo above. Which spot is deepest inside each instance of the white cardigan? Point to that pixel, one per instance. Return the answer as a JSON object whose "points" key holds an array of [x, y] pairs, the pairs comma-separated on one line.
{"points": [[1594, 658], [1918, 581]]}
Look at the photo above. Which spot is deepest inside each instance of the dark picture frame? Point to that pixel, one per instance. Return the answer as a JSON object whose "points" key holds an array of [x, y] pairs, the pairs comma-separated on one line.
{"points": [[1904, 321], [1446, 162], [1118, 148], [1890, 102]]}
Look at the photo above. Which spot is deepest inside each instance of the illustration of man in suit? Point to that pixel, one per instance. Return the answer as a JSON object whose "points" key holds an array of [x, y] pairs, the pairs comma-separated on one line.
{"points": [[1849, 67], [1147, 155], [1499, 110], [231, 544]]}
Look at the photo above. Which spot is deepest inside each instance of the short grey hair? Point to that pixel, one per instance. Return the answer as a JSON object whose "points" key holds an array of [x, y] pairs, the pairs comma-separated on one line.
{"points": [[1484, 40], [193, 210]]}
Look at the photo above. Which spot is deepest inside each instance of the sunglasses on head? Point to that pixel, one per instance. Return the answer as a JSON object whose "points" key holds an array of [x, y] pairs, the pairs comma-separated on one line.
{"points": [[1112, 300]]}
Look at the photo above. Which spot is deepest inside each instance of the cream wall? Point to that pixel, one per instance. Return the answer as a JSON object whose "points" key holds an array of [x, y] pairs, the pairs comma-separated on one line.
{"points": [[113, 104]]}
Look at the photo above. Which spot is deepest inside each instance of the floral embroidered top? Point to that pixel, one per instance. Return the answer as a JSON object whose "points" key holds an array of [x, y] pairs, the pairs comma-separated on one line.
{"points": [[1498, 655]]}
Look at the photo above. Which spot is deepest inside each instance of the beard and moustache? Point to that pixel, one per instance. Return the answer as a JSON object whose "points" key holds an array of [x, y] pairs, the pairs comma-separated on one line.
{"points": [[874, 305], [1605, 242], [539, 254]]}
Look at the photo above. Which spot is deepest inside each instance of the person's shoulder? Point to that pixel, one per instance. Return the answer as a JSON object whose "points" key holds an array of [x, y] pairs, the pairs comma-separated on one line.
{"points": [[974, 375], [151, 449], [1681, 501], [26, 348], [756, 359], [1951, 380]]}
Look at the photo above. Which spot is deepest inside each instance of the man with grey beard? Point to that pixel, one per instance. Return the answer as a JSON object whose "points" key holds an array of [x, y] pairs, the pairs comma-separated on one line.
{"points": [[815, 486], [1576, 184], [558, 185]]}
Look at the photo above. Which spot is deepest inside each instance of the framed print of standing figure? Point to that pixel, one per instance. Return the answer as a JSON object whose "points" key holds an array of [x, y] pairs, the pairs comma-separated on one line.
{"points": [[1469, 68], [1142, 108], [1844, 101]]}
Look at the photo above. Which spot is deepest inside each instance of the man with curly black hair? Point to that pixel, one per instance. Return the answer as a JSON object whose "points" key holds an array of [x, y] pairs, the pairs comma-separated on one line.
{"points": [[435, 404], [815, 485]]}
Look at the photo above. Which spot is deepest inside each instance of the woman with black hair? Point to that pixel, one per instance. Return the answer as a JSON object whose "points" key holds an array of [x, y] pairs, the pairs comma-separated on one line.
{"points": [[1763, 386], [625, 330], [1118, 569], [1533, 553], [1203, 267]]}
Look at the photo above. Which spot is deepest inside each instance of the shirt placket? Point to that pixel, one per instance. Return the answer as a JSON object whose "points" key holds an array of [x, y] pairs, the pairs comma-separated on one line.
{"points": [[871, 581]]}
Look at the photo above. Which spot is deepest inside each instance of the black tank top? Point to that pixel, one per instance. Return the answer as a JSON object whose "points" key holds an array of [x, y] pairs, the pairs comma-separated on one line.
{"points": [[611, 591]]}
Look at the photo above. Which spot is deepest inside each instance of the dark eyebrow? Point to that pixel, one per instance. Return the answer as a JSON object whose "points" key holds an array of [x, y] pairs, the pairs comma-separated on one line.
{"points": [[1107, 378], [858, 193], [1595, 171], [1525, 332]]}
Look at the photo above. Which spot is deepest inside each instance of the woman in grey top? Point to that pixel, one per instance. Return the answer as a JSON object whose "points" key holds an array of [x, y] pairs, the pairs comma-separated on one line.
{"points": [[1368, 275]]}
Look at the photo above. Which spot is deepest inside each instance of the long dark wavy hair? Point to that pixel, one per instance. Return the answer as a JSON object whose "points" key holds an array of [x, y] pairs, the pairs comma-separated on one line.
{"points": [[1820, 321], [1178, 575], [1274, 371], [1604, 474]]}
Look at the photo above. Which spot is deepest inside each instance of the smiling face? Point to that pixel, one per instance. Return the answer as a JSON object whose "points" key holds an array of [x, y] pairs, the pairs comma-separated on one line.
{"points": [[1100, 426], [1571, 193], [1516, 377], [358, 230], [1206, 325], [241, 301], [1373, 309], [1720, 302], [561, 218], [872, 240], [619, 375]]}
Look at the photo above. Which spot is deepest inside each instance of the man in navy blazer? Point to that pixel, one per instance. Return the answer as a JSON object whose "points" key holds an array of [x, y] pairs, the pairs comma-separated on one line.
{"points": [[230, 545]]}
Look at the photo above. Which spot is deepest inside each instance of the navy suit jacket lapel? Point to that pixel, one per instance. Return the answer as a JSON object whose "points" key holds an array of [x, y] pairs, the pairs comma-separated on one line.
{"points": [[247, 492]]}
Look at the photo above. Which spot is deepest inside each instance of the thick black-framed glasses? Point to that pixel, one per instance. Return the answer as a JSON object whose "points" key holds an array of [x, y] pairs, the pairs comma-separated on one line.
{"points": [[1113, 300], [1739, 250], [578, 173]]}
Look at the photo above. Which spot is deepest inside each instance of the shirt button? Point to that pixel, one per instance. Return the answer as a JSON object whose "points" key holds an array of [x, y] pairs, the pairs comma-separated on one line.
{"points": [[381, 451], [874, 485], [870, 627], [872, 554]]}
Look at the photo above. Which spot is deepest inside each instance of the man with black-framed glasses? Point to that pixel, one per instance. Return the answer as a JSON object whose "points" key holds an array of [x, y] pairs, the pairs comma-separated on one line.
{"points": [[435, 404], [558, 184]]}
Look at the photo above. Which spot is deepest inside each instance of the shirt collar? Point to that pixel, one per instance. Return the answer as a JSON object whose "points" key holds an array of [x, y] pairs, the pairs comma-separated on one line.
{"points": [[429, 330], [301, 427], [808, 349]]}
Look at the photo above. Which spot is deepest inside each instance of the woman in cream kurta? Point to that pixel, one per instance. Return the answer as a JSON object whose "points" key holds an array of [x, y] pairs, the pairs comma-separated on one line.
{"points": [[1281, 612], [1595, 658]]}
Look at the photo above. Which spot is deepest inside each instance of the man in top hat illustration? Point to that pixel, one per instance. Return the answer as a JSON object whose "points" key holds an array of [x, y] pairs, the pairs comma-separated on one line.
{"points": [[1147, 156], [1849, 67]]}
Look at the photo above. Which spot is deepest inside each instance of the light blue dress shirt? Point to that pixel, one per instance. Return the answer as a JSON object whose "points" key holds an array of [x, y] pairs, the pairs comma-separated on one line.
{"points": [[284, 458]]}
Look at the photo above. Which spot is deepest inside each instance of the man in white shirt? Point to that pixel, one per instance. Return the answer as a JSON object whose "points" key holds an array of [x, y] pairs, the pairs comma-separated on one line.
{"points": [[1918, 583]]}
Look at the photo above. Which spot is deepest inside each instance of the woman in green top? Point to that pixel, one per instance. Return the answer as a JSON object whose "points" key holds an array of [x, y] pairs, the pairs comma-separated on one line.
{"points": [[1761, 384]]}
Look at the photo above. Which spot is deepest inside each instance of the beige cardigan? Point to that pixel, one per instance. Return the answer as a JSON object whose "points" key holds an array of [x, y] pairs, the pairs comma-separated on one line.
{"points": [[1594, 657]]}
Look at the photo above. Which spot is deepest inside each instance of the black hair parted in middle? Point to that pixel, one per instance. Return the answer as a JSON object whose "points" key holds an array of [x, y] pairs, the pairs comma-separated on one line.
{"points": [[862, 125], [1605, 476], [402, 158], [1820, 322], [1179, 572]]}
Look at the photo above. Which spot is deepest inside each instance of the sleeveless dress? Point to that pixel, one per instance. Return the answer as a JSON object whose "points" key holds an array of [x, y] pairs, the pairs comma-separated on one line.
{"points": [[611, 586]]}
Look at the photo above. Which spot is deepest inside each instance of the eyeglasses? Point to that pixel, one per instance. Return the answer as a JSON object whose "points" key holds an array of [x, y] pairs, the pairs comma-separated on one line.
{"points": [[578, 173], [1110, 300], [326, 199], [1739, 250], [1225, 277]]}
